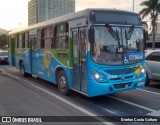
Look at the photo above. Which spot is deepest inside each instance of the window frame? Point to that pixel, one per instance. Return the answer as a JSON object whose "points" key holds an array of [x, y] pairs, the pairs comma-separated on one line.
{"points": [[64, 34]]}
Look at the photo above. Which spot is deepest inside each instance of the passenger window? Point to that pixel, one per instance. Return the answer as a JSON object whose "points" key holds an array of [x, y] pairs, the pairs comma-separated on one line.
{"points": [[61, 36], [26, 40], [42, 38], [155, 56], [48, 36], [38, 38], [20, 41], [23, 40], [17, 39]]}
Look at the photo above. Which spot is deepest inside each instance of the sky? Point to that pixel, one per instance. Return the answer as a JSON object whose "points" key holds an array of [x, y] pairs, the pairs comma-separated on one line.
{"points": [[14, 13]]}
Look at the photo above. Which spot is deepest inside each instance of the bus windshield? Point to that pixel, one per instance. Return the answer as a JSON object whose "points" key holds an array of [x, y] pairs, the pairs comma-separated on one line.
{"points": [[117, 45]]}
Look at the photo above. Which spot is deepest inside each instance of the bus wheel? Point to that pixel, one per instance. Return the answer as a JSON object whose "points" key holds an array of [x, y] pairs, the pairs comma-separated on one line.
{"points": [[63, 83], [22, 69], [147, 80]]}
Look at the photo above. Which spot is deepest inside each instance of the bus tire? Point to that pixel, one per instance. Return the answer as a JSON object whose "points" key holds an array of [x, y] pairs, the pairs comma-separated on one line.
{"points": [[147, 80], [22, 69], [63, 83]]}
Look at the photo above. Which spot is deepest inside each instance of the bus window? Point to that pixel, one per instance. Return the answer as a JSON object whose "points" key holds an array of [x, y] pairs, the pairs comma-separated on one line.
{"points": [[17, 39], [42, 38], [23, 40], [26, 40], [61, 40], [52, 36], [75, 44], [38, 38], [48, 37], [20, 41], [83, 42], [33, 43]]}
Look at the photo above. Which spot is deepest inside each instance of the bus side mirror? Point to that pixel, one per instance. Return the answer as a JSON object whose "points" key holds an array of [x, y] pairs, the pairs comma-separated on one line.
{"points": [[91, 35]]}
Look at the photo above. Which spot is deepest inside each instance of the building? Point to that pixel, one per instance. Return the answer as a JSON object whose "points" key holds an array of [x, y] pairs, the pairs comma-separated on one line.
{"points": [[157, 37], [2, 31], [41, 10], [32, 12], [158, 28]]}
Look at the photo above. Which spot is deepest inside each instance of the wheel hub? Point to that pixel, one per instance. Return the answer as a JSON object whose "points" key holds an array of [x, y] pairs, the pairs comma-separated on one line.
{"points": [[63, 82]]}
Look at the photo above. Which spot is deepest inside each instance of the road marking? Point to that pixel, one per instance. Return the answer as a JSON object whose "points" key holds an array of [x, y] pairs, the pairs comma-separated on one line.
{"points": [[108, 110], [152, 111], [156, 113], [71, 104], [149, 91], [134, 104]]}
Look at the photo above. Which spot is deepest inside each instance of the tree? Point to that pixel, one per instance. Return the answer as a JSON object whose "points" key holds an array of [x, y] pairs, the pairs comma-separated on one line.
{"points": [[152, 8]]}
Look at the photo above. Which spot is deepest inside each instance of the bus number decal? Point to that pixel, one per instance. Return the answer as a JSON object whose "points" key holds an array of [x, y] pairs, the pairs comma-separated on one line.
{"points": [[112, 77]]}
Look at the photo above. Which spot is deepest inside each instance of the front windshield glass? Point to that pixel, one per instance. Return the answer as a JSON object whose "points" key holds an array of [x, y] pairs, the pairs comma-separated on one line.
{"points": [[133, 44], [117, 45]]}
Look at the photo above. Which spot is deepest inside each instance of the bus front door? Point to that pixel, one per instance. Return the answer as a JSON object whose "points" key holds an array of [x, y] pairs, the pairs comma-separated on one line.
{"points": [[33, 59], [79, 59]]}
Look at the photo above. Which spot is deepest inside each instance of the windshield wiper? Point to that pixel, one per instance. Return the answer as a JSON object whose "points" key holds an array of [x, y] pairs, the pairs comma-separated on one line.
{"points": [[130, 32], [114, 34], [129, 35], [126, 36]]}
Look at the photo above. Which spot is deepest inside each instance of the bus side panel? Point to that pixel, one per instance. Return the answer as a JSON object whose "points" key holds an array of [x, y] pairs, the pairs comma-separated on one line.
{"points": [[48, 62], [26, 58], [23, 55]]}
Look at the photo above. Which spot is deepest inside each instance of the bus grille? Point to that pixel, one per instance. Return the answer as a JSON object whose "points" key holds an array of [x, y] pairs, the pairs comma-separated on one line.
{"points": [[120, 78], [121, 71]]}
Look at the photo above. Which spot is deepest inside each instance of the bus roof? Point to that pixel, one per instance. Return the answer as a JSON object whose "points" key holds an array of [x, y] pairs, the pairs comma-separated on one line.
{"points": [[67, 17]]}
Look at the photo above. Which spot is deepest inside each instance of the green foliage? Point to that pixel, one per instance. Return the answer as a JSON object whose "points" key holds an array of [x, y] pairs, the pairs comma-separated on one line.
{"points": [[152, 8], [3, 40]]}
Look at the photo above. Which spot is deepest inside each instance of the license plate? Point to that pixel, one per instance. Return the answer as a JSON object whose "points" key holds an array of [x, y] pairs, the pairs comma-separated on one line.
{"points": [[140, 83], [126, 85]]}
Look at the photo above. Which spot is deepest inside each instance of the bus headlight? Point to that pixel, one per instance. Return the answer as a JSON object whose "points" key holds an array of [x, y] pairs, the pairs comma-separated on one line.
{"points": [[98, 77], [143, 71]]}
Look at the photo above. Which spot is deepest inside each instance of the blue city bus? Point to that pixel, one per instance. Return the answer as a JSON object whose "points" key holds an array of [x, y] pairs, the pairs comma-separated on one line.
{"points": [[93, 52]]}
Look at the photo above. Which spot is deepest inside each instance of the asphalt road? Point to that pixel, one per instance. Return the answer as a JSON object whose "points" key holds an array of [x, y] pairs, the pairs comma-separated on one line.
{"points": [[34, 97]]}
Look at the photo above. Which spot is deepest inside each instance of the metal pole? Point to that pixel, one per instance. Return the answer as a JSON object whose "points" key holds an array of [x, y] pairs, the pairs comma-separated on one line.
{"points": [[133, 5]]}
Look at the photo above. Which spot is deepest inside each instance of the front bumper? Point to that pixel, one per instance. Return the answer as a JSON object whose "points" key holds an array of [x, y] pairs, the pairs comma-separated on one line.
{"points": [[95, 88]]}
